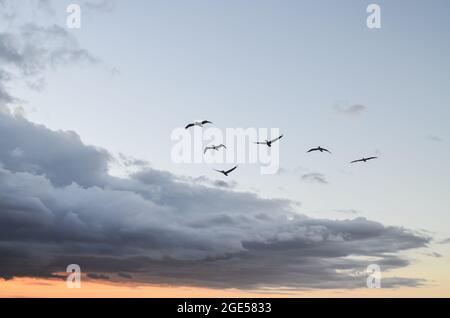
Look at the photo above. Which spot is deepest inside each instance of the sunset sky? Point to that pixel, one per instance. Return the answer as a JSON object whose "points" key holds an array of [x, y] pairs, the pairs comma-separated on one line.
{"points": [[87, 177]]}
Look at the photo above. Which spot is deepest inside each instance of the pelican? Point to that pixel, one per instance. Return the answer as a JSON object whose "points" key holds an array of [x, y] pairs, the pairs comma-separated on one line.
{"points": [[225, 173], [216, 148], [269, 142], [364, 159], [319, 149], [198, 123]]}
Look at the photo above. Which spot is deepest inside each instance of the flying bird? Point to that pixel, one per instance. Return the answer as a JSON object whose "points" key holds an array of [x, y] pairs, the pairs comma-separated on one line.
{"points": [[364, 159], [319, 149], [226, 172], [216, 148], [198, 123], [269, 143]]}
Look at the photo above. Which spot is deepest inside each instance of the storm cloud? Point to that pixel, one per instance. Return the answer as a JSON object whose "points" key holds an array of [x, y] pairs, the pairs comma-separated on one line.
{"points": [[59, 205]]}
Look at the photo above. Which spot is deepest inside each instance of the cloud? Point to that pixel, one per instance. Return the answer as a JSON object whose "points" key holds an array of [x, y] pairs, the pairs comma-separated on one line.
{"points": [[27, 51], [347, 211], [224, 184], [445, 241], [5, 97], [349, 110], [98, 276], [314, 178], [434, 138], [215, 183], [434, 254], [128, 161], [64, 159], [6, 11], [33, 48], [125, 275], [59, 206]]}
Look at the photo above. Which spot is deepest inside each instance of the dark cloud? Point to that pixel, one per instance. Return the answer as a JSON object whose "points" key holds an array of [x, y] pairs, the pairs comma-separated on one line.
{"points": [[395, 282], [60, 156], [59, 206], [314, 178], [98, 276], [125, 275]]}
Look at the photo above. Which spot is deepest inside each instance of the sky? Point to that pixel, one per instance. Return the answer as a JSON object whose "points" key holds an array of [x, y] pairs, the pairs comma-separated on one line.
{"points": [[85, 148]]}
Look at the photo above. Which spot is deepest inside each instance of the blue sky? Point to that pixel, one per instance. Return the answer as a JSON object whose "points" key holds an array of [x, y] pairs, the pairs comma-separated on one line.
{"points": [[274, 64]]}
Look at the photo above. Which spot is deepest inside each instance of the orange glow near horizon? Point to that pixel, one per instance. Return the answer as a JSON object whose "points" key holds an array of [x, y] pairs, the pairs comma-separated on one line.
{"points": [[55, 288], [434, 270]]}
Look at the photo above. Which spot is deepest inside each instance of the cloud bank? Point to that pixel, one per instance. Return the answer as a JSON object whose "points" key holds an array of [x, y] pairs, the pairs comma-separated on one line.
{"points": [[59, 205]]}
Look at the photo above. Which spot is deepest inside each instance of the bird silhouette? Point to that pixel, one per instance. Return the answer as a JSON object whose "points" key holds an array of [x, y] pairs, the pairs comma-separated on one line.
{"points": [[198, 123], [319, 149], [216, 148], [364, 159], [269, 143], [226, 172]]}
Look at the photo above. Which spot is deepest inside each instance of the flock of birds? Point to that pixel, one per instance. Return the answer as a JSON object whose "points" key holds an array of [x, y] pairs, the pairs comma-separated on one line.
{"points": [[266, 142]]}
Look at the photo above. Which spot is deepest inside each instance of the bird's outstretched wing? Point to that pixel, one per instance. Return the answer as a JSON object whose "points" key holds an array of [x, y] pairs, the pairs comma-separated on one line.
{"points": [[326, 150], [364, 159], [206, 122], [278, 138], [220, 171], [207, 148], [260, 143], [231, 170], [312, 150], [189, 126], [221, 146]]}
